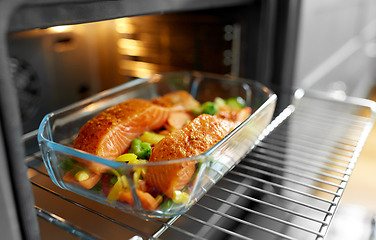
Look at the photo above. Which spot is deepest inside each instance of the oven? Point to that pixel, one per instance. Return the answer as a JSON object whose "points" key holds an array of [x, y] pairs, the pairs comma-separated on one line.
{"points": [[58, 52]]}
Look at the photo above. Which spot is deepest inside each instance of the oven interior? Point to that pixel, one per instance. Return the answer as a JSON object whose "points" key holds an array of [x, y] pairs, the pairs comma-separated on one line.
{"points": [[288, 187], [60, 65]]}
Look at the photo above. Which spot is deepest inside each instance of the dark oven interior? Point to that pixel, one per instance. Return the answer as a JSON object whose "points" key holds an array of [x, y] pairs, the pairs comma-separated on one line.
{"points": [[55, 53]]}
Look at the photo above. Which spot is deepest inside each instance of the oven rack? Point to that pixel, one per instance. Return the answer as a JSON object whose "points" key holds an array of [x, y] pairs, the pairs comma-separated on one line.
{"points": [[288, 187]]}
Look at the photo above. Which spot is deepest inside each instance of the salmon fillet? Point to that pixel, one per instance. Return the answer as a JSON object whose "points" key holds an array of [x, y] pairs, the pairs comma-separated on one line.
{"points": [[192, 140], [110, 133]]}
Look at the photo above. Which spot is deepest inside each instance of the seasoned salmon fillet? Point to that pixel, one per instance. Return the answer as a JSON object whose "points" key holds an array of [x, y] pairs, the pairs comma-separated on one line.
{"points": [[192, 140], [110, 133]]}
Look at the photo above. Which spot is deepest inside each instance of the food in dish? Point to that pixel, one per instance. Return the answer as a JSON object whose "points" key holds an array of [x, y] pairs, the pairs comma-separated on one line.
{"points": [[177, 101], [139, 131]]}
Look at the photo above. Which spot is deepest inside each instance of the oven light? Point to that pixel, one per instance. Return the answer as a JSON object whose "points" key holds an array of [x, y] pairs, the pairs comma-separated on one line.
{"points": [[125, 28], [137, 69], [138, 73], [129, 43], [123, 25], [130, 47], [120, 21], [60, 28]]}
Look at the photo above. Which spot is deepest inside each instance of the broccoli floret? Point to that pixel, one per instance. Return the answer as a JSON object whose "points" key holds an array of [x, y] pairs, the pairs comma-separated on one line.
{"points": [[236, 103], [141, 149], [209, 108], [68, 164]]}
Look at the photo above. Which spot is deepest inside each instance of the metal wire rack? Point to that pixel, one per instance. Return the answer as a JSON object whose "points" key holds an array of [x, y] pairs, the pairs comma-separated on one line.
{"points": [[288, 187]]}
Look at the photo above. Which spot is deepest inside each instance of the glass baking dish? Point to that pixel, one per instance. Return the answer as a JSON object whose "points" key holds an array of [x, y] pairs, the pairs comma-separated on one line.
{"points": [[58, 130]]}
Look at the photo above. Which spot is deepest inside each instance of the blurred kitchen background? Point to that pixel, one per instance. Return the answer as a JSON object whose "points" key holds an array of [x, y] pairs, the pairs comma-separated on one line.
{"points": [[335, 52]]}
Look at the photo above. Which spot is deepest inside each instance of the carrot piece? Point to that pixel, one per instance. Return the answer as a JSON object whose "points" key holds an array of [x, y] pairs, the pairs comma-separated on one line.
{"points": [[169, 128], [148, 202], [141, 184], [126, 196], [87, 183], [178, 119], [69, 177], [164, 132], [91, 181]]}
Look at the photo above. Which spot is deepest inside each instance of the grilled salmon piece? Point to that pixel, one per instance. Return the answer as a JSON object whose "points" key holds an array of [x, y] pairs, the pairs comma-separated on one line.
{"points": [[192, 140], [177, 101], [110, 133]]}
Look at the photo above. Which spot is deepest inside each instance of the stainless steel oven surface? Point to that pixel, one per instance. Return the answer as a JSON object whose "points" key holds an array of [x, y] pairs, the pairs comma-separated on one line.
{"points": [[317, 56]]}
